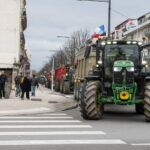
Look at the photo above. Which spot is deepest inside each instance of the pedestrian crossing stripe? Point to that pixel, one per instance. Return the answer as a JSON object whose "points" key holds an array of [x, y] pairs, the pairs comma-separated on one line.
{"points": [[51, 114], [55, 133], [40, 121], [36, 117], [61, 142], [43, 126]]}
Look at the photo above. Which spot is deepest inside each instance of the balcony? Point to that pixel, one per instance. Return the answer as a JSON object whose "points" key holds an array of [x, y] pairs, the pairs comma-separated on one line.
{"points": [[24, 19], [22, 41]]}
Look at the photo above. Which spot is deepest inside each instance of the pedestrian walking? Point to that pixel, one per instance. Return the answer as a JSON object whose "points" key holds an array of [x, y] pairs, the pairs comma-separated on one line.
{"points": [[17, 85], [25, 87], [3, 80], [34, 84]]}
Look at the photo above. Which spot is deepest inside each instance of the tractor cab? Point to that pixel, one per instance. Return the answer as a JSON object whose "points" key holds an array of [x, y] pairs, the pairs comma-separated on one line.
{"points": [[119, 50]]}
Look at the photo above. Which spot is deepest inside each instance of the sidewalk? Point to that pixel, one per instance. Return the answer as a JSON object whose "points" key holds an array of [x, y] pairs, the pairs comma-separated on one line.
{"points": [[44, 101]]}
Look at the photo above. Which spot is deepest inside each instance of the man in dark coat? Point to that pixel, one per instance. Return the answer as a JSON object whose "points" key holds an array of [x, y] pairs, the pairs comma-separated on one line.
{"points": [[3, 80], [26, 87]]}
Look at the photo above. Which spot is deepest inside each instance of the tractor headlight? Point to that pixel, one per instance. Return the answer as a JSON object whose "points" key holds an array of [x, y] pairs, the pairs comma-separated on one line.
{"points": [[130, 69], [117, 69]]}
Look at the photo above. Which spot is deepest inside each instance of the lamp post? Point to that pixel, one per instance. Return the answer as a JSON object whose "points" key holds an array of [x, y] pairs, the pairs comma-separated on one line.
{"points": [[109, 12], [53, 62]]}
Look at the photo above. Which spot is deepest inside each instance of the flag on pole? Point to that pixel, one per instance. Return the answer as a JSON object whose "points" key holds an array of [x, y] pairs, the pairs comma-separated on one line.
{"points": [[100, 31]]}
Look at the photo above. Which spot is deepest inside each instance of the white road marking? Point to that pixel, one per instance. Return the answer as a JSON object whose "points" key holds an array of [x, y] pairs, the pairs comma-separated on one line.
{"points": [[39, 121], [141, 144], [25, 110], [61, 142], [36, 117], [54, 114], [55, 133], [43, 126]]}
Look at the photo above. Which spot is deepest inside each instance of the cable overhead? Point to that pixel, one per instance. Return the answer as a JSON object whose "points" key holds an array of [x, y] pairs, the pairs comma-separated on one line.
{"points": [[121, 14]]}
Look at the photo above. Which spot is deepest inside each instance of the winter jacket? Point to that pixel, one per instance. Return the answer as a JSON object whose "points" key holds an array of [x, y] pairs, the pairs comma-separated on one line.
{"points": [[3, 79], [34, 82], [26, 85]]}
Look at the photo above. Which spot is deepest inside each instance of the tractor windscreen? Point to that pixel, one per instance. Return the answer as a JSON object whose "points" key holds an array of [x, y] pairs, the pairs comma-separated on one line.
{"points": [[119, 52]]}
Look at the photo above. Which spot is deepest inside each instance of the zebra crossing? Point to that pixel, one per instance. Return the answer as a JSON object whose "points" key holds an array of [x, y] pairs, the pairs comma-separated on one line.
{"points": [[50, 129]]}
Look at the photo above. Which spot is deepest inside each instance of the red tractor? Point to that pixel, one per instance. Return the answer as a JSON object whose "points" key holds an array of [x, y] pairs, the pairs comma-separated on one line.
{"points": [[64, 77]]}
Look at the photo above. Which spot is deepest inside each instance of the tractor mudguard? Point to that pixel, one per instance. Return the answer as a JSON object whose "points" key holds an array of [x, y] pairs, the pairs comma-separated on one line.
{"points": [[92, 77], [147, 78]]}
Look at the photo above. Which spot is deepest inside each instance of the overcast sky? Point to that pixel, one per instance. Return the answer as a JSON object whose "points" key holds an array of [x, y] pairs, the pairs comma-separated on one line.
{"points": [[49, 18]]}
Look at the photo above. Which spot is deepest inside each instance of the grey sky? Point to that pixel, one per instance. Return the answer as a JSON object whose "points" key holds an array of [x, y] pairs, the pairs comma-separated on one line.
{"points": [[49, 18]]}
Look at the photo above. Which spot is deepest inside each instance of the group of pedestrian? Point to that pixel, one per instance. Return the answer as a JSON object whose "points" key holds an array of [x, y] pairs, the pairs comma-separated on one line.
{"points": [[25, 85], [3, 80]]}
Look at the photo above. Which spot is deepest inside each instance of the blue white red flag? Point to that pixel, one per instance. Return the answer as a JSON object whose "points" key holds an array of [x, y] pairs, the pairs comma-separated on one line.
{"points": [[100, 30]]}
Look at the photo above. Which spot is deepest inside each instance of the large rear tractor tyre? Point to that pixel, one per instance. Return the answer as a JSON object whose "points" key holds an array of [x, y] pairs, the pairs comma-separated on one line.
{"points": [[61, 86], [139, 108], [89, 108], [57, 86], [75, 91], [147, 102], [66, 87]]}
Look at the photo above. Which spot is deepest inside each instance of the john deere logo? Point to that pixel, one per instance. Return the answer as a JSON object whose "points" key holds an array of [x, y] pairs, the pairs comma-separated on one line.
{"points": [[124, 95]]}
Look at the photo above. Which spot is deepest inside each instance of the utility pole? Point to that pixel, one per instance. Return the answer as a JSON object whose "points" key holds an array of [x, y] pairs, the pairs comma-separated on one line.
{"points": [[52, 85], [109, 12], [53, 68], [109, 18]]}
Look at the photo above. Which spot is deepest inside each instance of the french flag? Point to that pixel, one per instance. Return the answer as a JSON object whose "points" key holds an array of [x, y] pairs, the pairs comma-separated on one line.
{"points": [[100, 31]]}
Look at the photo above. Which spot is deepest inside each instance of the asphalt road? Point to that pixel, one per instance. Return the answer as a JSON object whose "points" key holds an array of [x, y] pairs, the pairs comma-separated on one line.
{"points": [[120, 129]]}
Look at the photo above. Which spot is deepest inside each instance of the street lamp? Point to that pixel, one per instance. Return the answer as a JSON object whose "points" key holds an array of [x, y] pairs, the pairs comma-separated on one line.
{"points": [[53, 61], [109, 12]]}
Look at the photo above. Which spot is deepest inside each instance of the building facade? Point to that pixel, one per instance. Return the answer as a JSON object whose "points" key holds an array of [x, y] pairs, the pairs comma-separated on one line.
{"points": [[135, 29], [12, 40]]}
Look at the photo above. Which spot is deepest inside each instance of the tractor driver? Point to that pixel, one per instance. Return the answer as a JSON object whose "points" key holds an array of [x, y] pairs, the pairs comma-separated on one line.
{"points": [[120, 55]]}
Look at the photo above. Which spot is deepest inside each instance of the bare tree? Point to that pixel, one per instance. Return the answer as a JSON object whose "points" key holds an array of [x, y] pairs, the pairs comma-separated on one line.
{"points": [[73, 45], [66, 54]]}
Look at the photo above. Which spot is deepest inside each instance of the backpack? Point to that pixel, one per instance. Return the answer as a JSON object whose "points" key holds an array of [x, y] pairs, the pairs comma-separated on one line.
{"points": [[22, 80]]}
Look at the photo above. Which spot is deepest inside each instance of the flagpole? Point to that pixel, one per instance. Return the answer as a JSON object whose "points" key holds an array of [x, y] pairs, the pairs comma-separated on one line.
{"points": [[109, 18], [109, 12]]}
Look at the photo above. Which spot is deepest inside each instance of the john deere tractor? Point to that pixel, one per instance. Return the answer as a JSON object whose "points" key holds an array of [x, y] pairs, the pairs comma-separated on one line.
{"points": [[119, 77]]}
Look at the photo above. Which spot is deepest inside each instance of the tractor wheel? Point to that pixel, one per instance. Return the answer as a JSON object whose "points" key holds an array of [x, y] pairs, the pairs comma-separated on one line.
{"points": [[61, 86], [57, 86], [80, 90], [88, 107], [75, 91], [147, 102], [139, 108], [66, 87]]}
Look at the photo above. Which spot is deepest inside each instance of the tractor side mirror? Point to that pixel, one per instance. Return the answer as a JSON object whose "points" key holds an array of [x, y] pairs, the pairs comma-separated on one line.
{"points": [[87, 51]]}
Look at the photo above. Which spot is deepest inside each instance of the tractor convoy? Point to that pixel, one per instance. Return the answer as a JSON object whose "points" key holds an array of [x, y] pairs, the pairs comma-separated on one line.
{"points": [[112, 72], [107, 72], [63, 79]]}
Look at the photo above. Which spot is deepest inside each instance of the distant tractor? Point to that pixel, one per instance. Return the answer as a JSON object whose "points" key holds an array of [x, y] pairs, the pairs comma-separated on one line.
{"points": [[119, 76], [48, 83], [64, 79]]}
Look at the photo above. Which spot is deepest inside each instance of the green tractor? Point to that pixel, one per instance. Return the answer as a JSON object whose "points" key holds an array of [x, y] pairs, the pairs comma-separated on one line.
{"points": [[119, 77]]}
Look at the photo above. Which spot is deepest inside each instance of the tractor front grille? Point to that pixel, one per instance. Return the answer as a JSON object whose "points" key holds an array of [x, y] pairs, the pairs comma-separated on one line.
{"points": [[119, 77]]}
